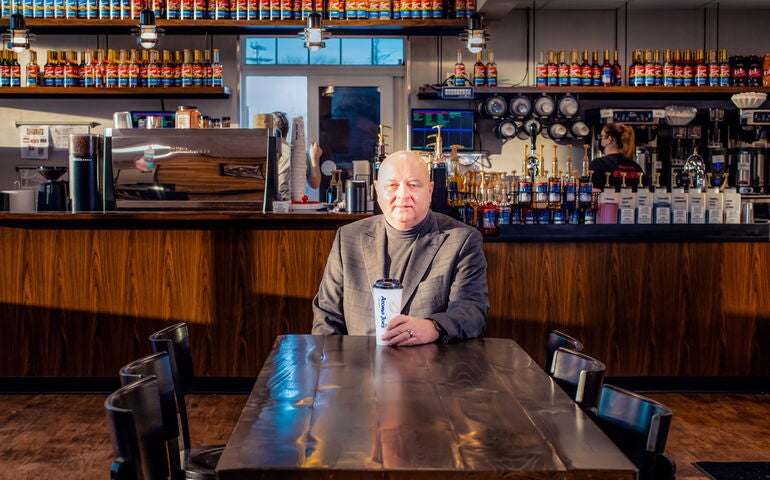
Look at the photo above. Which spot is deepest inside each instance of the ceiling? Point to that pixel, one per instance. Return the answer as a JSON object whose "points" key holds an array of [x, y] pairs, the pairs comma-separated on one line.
{"points": [[496, 7]]}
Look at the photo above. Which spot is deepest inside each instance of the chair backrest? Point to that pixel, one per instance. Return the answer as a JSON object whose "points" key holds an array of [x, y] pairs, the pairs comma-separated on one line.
{"points": [[159, 366], [579, 375], [556, 340], [175, 340], [135, 422], [638, 425]]}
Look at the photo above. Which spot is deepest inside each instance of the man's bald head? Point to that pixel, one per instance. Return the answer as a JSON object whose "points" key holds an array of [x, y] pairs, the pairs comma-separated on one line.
{"points": [[404, 189]]}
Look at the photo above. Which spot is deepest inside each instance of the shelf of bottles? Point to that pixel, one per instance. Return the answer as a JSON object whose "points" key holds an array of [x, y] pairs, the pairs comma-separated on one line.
{"points": [[153, 73], [489, 200], [232, 16], [679, 73]]}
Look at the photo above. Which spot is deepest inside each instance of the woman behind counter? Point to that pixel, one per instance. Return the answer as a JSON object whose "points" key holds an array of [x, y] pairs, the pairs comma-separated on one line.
{"points": [[616, 142]]}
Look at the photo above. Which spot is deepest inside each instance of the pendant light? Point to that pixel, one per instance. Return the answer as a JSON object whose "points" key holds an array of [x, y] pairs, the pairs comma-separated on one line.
{"points": [[17, 36], [314, 33], [148, 34], [475, 36]]}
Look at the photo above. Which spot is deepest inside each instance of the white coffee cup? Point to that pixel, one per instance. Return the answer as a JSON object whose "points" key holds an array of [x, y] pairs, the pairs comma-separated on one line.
{"points": [[386, 294], [21, 201]]}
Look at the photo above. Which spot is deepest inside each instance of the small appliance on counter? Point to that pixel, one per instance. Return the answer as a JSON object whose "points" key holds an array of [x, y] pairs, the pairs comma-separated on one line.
{"points": [[52, 194]]}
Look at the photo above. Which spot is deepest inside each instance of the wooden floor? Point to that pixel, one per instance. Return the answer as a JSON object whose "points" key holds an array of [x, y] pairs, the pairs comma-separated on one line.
{"points": [[65, 436]]}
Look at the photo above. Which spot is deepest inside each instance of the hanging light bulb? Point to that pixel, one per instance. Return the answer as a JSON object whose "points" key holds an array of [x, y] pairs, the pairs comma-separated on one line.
{"points": [[314, 33], [475, 37], [17, 36], [148, 34]]}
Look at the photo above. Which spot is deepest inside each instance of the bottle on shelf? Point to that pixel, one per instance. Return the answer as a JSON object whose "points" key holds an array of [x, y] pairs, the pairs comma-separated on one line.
{"points": [[701, 70], [217, 78], [569, 184], [166, 70], [688, 70], [596, 70], [713, 69], [724, 69], [649, 69], [637, 70], [668, 69], [187, 69], [479, 71], [32, 70], [459, 73], [563, 69], [133, 69], [617, 70], [197, 69], [657, 68], [552, 70], [575, 75], [586, 71], [491, 69], [607, 71], [678, 69], [111, 70], [541, 71], [504, 207], [585, 190], [540, 184], [753, 71], [487, 210], [554, 183], [153, 70]]}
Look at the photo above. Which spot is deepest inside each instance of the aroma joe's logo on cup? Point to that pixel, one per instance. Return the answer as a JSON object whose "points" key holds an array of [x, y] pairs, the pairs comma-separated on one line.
{"points": [[386, 295]]}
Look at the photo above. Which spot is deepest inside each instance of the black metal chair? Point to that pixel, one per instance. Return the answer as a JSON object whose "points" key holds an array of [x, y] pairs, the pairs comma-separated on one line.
{"points": [[639, 426], [198, 462], [556, 340], [579, 375], [159, 365], [135, 422]]}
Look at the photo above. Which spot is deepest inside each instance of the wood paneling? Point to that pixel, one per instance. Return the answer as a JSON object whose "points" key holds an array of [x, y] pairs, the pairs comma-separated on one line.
{"points": [[81, 301]]}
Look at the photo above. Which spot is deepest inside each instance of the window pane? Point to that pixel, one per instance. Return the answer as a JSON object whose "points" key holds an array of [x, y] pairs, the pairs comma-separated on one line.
{"points": [[330, 55], [357, 51], [291, 51], [260, 51], [388, 51]]}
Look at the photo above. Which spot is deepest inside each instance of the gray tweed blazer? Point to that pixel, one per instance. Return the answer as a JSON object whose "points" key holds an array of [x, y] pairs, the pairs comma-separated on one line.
{"points": [[445, 280]]}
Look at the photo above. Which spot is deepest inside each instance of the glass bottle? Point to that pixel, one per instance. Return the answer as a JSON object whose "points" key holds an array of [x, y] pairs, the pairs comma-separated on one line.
{"points": [[540, 187], [32, 70], [678, 69], [724, 69], [618, 70], [197, 69], [491, 69], [585, 71], [668, 69], [552, 70], [187, 68], [563, 69], [575, 78], [459, 77], [701, 70], [657, 68], [649, 69], [596, 70], [153, 70], [479, 71], [123, 69], [216, 70], [688, 70], [713, 69], [554, 182], [607, 71], [541, 71], [207, 69], [15, 70], [133, 70], [524, 197], [49, 75], [166, 70]]}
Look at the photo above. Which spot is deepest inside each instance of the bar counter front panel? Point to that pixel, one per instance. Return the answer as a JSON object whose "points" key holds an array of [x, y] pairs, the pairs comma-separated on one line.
{"points": [[80, 294]]}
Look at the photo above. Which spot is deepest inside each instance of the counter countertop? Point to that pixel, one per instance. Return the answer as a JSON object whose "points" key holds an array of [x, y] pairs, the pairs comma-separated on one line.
{"points": [[759, 232]]}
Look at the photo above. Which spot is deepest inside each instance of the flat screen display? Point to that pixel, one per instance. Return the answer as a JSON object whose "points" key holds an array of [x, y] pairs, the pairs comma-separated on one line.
{"points": [[457, 128]]}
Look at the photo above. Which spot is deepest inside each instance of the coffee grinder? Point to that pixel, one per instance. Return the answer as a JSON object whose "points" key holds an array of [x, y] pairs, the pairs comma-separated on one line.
{"points": [[52, 194], [747, 157], [716, 153]]}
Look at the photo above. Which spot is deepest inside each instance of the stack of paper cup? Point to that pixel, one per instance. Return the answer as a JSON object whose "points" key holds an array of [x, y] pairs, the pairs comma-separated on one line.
{"points": [[386, 294], [21, 201]]}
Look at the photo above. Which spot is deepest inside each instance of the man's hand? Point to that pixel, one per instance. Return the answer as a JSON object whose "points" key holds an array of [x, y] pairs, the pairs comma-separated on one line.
{"points": [[406, 331]]}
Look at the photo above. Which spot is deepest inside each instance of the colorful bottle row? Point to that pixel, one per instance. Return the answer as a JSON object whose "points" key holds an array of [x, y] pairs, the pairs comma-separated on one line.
{"points": [[552, 70], [118, 69], [240, 9], [484, 74]]}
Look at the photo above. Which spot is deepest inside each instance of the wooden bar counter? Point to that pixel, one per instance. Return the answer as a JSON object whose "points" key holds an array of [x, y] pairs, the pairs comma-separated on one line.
{"points": [[79, 294]]}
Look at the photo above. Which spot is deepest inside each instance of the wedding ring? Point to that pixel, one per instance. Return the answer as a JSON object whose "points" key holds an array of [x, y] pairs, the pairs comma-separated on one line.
{"points": [[410, 332]]}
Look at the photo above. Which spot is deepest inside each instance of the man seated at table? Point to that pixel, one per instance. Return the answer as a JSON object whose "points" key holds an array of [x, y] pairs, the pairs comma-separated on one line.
{"points": [[439, 261]]}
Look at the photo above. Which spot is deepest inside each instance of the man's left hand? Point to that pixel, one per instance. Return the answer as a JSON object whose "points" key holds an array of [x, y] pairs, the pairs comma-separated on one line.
{"points": [[406, 331]]}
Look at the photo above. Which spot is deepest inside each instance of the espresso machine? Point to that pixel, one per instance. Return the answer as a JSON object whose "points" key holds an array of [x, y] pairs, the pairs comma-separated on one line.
{"points": [[52, 194], [716, 153]]}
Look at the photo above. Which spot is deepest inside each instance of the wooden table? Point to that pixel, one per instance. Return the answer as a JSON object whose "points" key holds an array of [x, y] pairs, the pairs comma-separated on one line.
{"points": [[341, 407]]}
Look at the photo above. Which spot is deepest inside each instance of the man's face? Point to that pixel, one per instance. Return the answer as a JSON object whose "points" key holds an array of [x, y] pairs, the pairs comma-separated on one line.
{"points": [[404, 190]]}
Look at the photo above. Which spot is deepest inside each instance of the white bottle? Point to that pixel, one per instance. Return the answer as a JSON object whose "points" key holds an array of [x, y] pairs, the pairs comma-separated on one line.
{"points": [[731, 203], [626, 204], [697, 205], [661, 203], [714, 208], [679, 210], [644, 204]]}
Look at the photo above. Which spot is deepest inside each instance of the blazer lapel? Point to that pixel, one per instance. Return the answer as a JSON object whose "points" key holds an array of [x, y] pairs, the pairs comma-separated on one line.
{"points": [[373, 246], [425, 248]]}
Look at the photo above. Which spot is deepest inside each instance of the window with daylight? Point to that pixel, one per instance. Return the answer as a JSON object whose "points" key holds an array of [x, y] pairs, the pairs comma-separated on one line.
{"points": [[352, 51]]}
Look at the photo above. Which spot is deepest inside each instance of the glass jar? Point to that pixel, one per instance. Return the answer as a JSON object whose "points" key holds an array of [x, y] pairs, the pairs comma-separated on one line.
{"points": [[766, 71], [225, 122], [216, 123], [187, 116]]}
